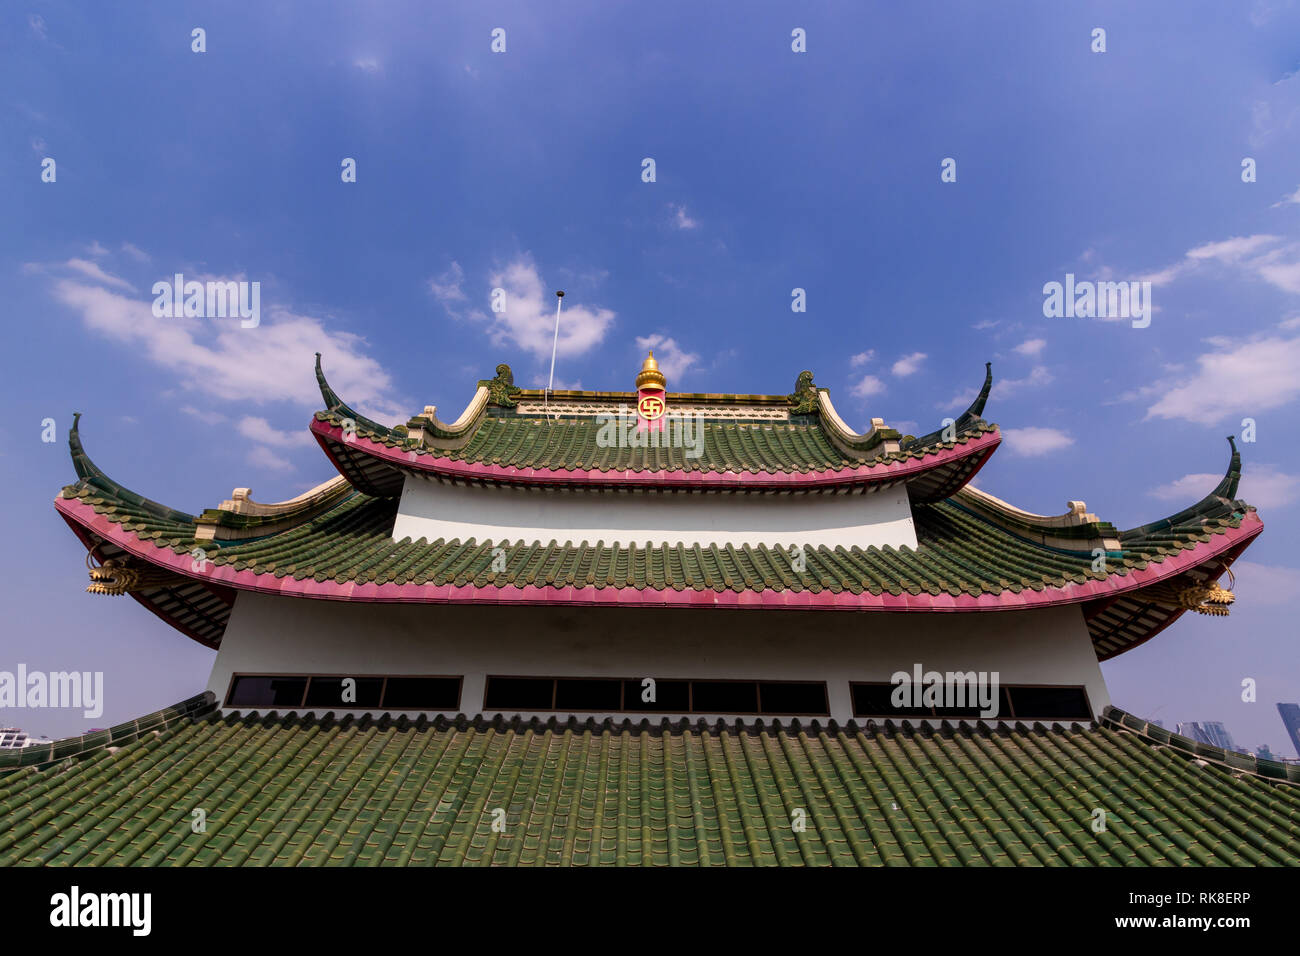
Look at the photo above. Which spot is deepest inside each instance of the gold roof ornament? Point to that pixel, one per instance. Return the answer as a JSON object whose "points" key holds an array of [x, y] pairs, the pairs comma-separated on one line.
{"points": [[1206, 598], [650, 376]]}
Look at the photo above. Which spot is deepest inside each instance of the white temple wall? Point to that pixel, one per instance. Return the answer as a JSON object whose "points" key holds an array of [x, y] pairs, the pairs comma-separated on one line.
{"points": [[270, 634], [433, 510]]}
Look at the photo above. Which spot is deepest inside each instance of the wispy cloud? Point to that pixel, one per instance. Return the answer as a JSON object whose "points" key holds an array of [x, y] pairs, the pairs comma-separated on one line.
{"points": [[862, 358], [218, 359], [908, 364], [1261, 256], [136, 253], [368, 64], [1235, 378], [528, 319], [868, 386], [448, 287], [681, 219], [672, 358], [91, 270], [1033, 442], [260, 430], [1031, 348], [1264, 486]]}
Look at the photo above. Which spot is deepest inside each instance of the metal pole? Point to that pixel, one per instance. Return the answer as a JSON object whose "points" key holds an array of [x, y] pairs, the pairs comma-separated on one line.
{"points": [[555, 342]]}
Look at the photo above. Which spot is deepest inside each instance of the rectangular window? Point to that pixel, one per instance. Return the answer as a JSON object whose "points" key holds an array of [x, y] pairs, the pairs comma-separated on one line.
{"points": [[1015, 702], [671, 697], [326, 691], [251, 690], [519, 693], [422, 693], [724, 697], [1049, 703], [592, 695], [793, 697], [598, 695], [330, 692]]}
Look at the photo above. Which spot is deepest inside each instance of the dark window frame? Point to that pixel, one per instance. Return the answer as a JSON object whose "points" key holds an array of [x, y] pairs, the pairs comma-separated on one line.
{"points": [[637, 708], [383, 690], [1003, 691]]}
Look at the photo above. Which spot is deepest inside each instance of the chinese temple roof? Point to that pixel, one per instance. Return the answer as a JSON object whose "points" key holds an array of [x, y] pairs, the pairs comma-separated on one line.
{"points": [[314, 790], [974, 552], [529, 436]]}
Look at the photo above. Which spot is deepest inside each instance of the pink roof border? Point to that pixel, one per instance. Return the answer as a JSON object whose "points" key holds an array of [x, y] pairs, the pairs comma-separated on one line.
{"points": [[411, 593], [883, 471]]}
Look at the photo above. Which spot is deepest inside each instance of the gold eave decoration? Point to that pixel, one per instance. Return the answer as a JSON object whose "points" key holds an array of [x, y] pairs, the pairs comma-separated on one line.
{"points": [[116, 577], [1206, 598]]}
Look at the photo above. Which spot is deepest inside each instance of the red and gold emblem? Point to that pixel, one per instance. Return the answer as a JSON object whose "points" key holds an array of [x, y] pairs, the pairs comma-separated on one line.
{"points": [[650, 407]]}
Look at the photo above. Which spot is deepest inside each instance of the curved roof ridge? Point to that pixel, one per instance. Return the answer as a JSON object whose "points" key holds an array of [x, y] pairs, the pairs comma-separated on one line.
{"points": [[91, 474], [334, 403], [963, 422], [976, 408], [1220, 503]]}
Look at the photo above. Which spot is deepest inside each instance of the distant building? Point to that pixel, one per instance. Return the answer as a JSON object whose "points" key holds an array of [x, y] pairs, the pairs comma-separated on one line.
{"points": [[13, 738], [1263, 753], [1210, 732], [1290, 714]]}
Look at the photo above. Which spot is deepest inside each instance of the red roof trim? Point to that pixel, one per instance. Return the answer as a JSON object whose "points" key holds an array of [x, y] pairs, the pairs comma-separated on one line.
{"points": [[884, 471], [84, 514]]}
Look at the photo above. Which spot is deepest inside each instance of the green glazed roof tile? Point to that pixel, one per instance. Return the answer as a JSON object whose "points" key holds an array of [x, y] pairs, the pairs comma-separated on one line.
{"points": [[314, 791]]}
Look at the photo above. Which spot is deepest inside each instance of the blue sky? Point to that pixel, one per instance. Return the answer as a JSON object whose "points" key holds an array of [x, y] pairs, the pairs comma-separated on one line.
{"points": [[774, 170]]}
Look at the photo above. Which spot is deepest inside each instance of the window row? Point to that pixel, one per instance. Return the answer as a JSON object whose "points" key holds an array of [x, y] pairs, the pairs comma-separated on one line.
{"points": [[1013, 702], [640, 695], [345, 692]]}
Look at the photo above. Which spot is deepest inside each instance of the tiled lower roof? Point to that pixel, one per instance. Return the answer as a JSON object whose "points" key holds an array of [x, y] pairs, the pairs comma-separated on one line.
{"points": [[315, 791], [958, 554]]}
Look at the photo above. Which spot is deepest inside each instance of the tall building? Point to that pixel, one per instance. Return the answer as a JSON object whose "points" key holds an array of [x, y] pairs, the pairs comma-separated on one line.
{"points": [[1290, 714], [643, 627], [1210, 732]]}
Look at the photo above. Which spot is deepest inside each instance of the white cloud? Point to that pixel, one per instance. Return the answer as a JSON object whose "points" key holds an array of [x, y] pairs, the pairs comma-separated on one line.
{"points": [[1263, 486], [368, 64], [1232, 250], [1279, 266], [862, 358], [95, 249], [1032, 442], [870, 385], [263, 457], [680, 219], [136, 253], [1265, 584], [260, 430], [218, 359], [206, 416], [1002, 387], [1031, 348], [447, 287], [92, 271], [673, 360], [528, 321], [908, 364], [1250, 378], [37, 24], [1289, 199]]}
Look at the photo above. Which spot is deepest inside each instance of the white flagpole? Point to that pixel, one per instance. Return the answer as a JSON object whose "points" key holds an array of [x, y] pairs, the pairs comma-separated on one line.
{"points": [[559, 300]]}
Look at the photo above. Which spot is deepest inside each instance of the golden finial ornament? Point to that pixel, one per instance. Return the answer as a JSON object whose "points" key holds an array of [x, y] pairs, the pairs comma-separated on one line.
{"points": [[650, 376]]}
